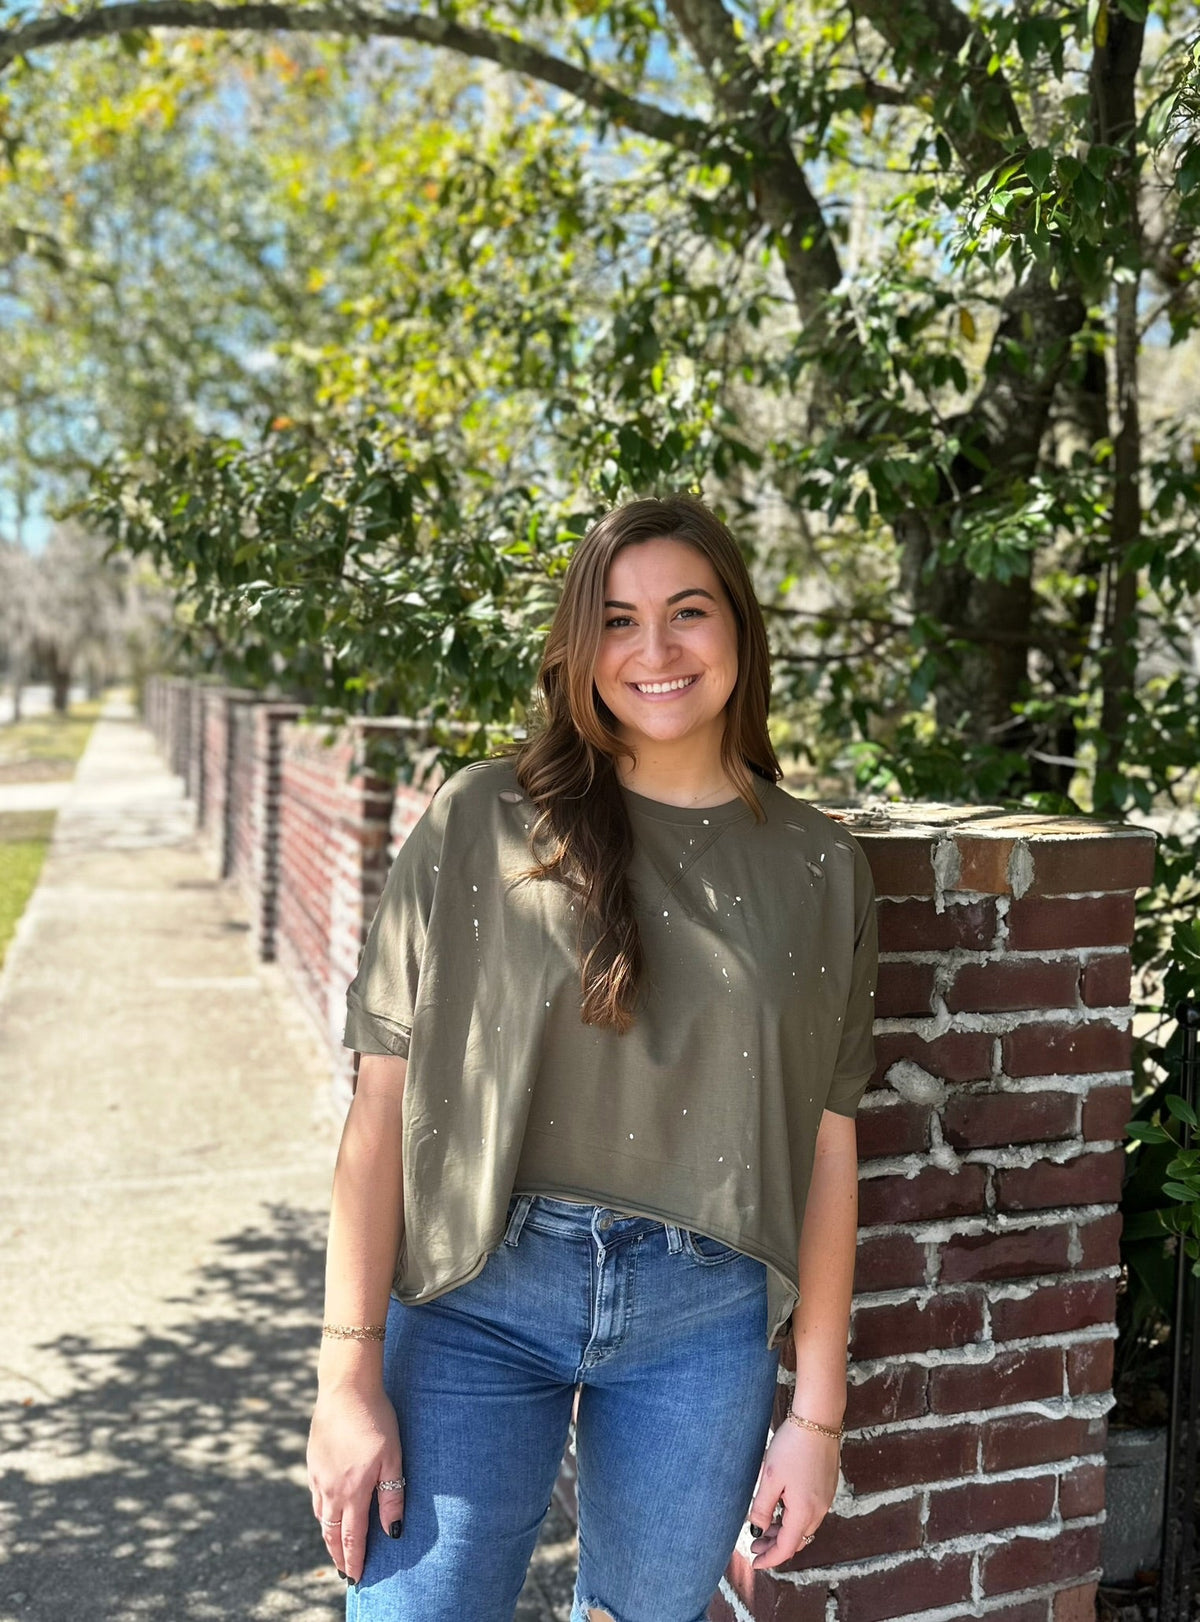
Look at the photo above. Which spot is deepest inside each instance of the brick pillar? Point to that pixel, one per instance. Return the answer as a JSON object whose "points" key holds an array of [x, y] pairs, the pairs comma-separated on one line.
{"points": [[263, 811], [332, 860], [985, 1287], [217, 805]]}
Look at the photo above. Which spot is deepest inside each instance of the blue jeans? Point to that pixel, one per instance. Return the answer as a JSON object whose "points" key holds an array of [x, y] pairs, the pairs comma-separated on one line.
{"points": [[664, 1331]]}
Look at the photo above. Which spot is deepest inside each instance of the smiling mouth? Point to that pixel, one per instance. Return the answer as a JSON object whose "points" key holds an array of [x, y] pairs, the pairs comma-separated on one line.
{"points": [[652, 689]]}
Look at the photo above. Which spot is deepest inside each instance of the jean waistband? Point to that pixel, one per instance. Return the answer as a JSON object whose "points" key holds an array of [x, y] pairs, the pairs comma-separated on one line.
{"points": [[575, 1219]]}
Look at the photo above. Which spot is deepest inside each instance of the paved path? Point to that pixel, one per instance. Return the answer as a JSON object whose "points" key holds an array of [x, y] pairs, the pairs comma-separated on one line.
{"points": [[166, 1142]]}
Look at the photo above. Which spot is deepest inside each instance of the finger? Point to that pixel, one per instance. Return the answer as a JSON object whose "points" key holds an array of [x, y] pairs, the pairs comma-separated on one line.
{"points": [[790, 1533], [354, 1540], [766, 1500], [391, 1497], [331, 1533]]}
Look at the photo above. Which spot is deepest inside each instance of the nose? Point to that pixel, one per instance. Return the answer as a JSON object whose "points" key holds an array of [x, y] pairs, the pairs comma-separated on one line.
{"points": [[659, 648]]}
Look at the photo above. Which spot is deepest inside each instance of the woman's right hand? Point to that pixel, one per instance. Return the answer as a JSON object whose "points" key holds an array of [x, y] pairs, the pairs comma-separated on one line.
{"points": [[353, 1445]]}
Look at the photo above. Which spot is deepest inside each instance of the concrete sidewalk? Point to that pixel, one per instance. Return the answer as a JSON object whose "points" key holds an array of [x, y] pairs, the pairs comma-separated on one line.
{"points": [[167, 1136]]}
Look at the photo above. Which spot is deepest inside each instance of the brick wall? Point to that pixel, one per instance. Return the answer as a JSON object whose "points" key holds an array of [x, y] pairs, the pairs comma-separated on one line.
{"points": [[981, 1342], [985, 1284], [334, 849]]}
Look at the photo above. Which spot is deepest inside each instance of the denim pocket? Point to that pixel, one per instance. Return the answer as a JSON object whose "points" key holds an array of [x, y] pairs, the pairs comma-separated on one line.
{"points": [[707, 1251]]}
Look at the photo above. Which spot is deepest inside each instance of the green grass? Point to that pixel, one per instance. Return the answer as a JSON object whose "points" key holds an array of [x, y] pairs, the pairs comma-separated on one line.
{"points": [[24, 838], [46, 747]]}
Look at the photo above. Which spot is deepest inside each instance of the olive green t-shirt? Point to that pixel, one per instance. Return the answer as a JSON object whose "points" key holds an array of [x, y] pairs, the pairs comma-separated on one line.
{"points": [[761, 950]]}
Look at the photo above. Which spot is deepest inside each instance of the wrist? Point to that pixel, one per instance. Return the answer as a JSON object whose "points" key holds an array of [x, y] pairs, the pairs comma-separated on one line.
{"points": [[350, 1364], [822, 1401]]}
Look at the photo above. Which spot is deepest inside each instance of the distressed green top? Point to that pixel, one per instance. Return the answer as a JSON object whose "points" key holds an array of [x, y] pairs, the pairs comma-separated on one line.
{"points": [[761, 951]]}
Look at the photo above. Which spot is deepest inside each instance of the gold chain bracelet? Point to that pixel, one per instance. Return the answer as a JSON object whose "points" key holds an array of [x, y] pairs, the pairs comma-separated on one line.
{"points": [[811, 1425], [353, 1331]]}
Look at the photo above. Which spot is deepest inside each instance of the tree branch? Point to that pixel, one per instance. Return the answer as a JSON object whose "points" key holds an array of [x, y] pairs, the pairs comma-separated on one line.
{"points": [[947, 57], [362, 23], [785, 199]]}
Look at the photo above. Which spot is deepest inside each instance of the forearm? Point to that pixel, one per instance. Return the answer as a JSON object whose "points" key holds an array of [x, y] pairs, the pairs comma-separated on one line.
{"points": [[365, 1220], [821, 1320]]}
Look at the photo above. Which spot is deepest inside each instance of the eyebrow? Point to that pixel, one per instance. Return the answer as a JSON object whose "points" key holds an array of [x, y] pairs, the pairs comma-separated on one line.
{"points": [[688, 591]]}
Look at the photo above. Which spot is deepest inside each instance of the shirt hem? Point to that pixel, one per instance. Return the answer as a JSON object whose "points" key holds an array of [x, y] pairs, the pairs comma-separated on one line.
{"points": [[775, 1332]]}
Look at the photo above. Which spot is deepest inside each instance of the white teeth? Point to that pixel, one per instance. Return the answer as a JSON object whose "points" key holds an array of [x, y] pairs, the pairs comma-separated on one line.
{"points": [[663, 686]]}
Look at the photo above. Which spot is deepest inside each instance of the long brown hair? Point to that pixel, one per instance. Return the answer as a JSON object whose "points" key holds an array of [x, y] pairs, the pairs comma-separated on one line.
{"points": [[567, 765]]}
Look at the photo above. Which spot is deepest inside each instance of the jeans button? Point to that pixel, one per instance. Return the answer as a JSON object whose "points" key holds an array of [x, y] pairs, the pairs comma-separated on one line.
{"points": [[605, 1223]]}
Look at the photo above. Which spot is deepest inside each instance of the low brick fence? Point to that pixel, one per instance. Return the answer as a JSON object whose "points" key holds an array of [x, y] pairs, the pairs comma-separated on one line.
{"points": [[990, 1146]]}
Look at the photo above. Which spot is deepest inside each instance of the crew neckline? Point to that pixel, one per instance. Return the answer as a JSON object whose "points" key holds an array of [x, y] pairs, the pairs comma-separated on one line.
{"points": [[691, 815]]}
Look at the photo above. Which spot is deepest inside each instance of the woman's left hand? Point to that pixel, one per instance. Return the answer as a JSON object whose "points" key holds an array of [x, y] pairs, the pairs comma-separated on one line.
{"points": [[799, 1471]]}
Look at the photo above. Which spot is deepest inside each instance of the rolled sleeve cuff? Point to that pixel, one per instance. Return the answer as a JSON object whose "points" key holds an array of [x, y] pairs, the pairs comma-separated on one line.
{"points": [[371, 1033], [846, 1094]]}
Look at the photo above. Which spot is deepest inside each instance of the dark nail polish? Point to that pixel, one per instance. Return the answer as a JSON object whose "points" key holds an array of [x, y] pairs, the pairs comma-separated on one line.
{"points": [[395, 1529], [757, 1531], [342, 1575]]}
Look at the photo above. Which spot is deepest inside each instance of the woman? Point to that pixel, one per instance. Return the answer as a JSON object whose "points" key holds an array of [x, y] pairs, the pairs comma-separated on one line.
{"points": [[615, 1014]]}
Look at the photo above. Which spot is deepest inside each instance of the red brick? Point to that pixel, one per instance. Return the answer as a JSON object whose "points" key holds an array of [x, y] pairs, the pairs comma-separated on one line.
{"points": [[983, 863], [918, 1585], [1065, 1050], [1053, 1309], [1019, 1254], [1018, 1376], [1036, 924], [1104, 981], [1027, 1562], [892, 1129], [988, 1506], [900, 1458], [1106, 1112], [888, 1261], [904, 989], [1109, 861], [1074, 1604], [901, 864], [1030, 1610], [1081, 1492], [956, 1056], [1007, 984], [1090, 1367], [1022, 1439], [1086, 1180], [720, 1610], [915, 926], [896, 1392], [769, 1600], [839, 1538], [1101, 1241], [977, 1120], [931, 1193], [947, 1319]]}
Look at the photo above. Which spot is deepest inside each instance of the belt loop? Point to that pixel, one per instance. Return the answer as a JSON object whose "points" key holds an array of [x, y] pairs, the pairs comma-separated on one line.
{"points": [[517, 1221], [674, 1239]]}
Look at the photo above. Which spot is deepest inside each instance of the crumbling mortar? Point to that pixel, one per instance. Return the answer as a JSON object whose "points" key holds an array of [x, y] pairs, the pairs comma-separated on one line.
{"points": [[936, 1231], [999, 1022], [971, 1543], [1093, 1405], [1022, 1289], [1056, 1151], [981, 1352], [848, 1505]]}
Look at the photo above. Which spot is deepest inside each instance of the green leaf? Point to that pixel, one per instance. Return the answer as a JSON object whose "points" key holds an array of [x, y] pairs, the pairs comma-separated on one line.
{"points": [[1181, 1109], [1180, 1191], [1188, 177], [1039, 164]]}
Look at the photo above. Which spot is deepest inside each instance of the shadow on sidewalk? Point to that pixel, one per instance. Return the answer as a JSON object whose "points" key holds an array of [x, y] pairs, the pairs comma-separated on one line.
{"points": [[167, 1483]]}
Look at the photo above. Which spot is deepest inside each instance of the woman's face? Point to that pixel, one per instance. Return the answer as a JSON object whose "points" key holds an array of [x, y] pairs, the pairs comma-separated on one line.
{"points": [[668, 648]]}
